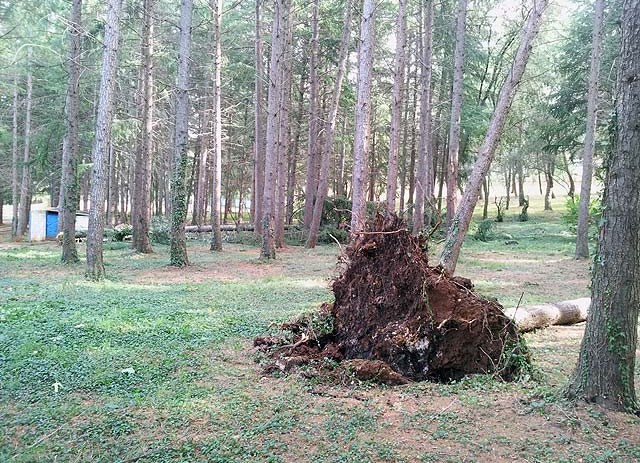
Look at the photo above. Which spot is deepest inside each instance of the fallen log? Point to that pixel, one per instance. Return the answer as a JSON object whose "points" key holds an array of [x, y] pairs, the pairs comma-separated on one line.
{"points": [[229, 227], [529, 318], [224, 227]]}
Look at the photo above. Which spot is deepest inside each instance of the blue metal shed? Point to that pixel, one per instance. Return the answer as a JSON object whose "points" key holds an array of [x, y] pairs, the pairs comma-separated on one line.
{"points": [[51, 224]]}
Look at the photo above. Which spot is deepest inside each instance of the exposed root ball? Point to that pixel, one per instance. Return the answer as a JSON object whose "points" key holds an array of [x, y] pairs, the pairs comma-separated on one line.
{"points": [[395, 310]]}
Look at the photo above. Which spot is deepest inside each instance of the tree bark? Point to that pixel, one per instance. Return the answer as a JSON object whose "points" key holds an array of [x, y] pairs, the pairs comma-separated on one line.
{"points": [[25, 185], [582, 238], [141, 207], [284, 137], [216, 236], [15, 184], [572, 186], [313, 146], [70, 151], [259, 138], [363, 115], [396, 105], [95, 263], [424, 177], [605, 371], [278, 43], [460, 224], [178, 245], [330, 130], [456, 110], [529, 318], [548, 176]]}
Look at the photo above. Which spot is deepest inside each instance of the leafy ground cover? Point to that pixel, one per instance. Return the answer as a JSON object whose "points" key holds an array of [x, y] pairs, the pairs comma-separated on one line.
{"points": [[155, 364]]}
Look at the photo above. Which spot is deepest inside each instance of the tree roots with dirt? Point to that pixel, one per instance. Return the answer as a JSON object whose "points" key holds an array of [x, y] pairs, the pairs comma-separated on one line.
{"points": [[396, 319]]}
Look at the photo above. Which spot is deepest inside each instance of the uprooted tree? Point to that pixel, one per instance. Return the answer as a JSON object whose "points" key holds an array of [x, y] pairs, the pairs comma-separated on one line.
{"points": [[403, 319]]}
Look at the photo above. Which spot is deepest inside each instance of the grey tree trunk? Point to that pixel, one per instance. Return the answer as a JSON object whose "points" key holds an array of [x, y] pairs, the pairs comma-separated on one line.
{"points": [[424, 176], [456, 110], [25, 185], [284, 137], [548, 192], [399, 70], [259, 141], [15, 184], [69, 192], [605, 371], [216, 236], [178, 245], [141, 208], [95, 263], [460, 224], [582, 239], [201, 188], [363, 116], [278, 41], [330, 129], [313, 144]]}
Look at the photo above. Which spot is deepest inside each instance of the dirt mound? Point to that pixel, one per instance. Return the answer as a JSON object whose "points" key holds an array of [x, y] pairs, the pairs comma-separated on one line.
{"points": [[393, 309]]}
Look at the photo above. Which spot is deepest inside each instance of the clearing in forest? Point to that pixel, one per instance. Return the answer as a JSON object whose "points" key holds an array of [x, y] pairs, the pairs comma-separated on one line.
{"points": [[156, 365]]}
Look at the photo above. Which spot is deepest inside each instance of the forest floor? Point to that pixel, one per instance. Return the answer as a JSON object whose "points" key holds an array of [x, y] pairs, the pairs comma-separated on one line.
{"points": [[156, 365]]}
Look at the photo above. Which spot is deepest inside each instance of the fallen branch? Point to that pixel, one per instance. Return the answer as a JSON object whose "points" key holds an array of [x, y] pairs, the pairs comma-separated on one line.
{"points": [[529, 318]]}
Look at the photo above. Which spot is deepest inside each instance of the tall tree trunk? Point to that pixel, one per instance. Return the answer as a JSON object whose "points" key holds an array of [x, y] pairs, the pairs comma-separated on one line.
{"points": [[69, 181], [95, 264], [259, 138], [141, 208], [114, 190], [582, 238], [178, 246], [25, 185], [293, 155], [284, 137], [313, 146], [412, 151], [424, 177], [330, 130], [363, 116], [548, 176], [462, 219], [485, 191], [507, 186], [605, 371], [572, 186], [521, 196], [202, 184], [15, 184], [409, 107], [456, 110], [216, 235], [278, 44], [396, 104]]}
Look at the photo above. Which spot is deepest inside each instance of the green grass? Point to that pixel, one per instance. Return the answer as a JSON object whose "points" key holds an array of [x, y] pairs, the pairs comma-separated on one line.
{"points": [[124, 347], [154, 365]]}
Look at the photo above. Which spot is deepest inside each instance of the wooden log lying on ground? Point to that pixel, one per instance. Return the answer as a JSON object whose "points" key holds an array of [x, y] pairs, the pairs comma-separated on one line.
{"points": [[532, 317], [224, 227], [229, 227]]}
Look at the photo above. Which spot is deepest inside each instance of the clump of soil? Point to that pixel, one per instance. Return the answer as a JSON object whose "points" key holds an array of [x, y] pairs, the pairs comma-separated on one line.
{"points": [[401, 318]]}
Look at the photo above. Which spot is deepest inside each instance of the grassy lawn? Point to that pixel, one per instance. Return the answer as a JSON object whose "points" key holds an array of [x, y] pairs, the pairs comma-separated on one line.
{"points": [[155, 364]]}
